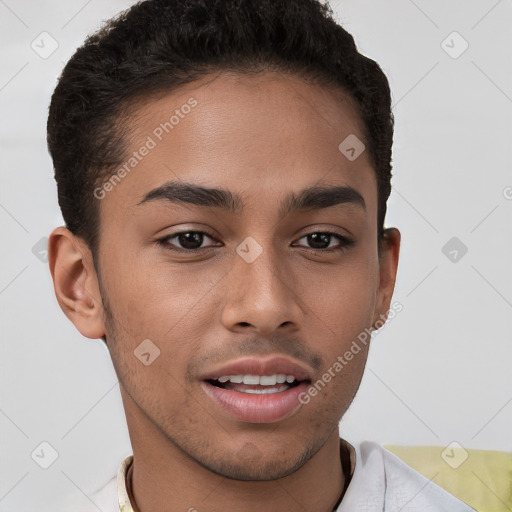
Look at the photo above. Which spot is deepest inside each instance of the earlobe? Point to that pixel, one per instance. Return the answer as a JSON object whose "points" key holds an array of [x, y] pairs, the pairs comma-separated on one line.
{"points": [[388, 266], [75, 282]]}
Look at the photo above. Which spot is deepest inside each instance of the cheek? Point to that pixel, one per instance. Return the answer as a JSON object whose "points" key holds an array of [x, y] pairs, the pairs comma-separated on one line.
{"points": [[156, 299], [342, 305], [167, 307], [343, 297]]}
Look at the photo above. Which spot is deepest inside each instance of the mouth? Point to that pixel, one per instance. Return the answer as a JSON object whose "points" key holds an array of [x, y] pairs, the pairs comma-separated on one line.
{"points": [[256, 390], [256, 384]]}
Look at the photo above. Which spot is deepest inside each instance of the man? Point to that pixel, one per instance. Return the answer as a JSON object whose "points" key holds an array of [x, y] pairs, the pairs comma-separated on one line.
{"points": [[223, 169]]}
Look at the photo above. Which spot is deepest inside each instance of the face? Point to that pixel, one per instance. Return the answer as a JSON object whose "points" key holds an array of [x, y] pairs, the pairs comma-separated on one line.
{"points": [[274, 273]]}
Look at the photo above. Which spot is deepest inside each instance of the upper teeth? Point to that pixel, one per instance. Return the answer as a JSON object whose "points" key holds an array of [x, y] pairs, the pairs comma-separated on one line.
{"points": [[262, 380]]}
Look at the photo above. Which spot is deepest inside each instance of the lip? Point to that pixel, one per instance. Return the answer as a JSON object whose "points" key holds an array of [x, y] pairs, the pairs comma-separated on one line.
{"points": [[257, 366], [257, 408]]}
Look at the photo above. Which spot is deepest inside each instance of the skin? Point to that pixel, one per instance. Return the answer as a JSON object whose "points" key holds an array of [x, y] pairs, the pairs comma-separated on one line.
{"points": [[262, 137]]}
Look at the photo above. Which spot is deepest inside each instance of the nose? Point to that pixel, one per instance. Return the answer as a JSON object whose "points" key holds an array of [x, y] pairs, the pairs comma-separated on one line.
{"points": [[262, 296]]}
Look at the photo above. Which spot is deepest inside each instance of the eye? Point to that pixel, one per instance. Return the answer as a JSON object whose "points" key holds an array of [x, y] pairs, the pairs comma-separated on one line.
{"points": [[321, 241], [188, 241]]}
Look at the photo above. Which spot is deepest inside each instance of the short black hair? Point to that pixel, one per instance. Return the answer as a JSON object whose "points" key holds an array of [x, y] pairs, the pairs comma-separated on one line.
{"points": [[156, 46]]}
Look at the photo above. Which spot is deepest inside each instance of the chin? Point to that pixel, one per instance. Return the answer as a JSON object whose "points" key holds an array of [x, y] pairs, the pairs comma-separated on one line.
{"points": [[250, 464], [260, 471]]}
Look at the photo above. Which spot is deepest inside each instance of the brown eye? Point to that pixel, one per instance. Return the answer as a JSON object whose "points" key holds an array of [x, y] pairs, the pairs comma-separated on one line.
{"points": [[322, 241], [187, 241], [319, 240], [192, 240]]}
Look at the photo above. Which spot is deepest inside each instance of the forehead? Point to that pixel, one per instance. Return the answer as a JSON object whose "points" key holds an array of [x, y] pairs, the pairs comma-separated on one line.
{"points": [[260, 136]]}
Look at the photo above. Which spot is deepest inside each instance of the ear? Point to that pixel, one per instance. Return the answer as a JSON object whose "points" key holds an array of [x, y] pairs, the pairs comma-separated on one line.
{"points": [[75, 282], [388, 264]]}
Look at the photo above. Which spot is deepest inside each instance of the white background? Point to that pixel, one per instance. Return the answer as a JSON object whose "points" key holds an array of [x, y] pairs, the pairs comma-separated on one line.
{"points": [[439, 372]]}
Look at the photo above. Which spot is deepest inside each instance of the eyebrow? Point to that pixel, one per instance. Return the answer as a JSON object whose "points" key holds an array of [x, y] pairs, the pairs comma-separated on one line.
{"points": [[310, 198]]}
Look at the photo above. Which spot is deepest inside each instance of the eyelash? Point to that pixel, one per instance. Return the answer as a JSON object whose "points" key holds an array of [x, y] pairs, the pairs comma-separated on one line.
{"points": [[345, 242]]}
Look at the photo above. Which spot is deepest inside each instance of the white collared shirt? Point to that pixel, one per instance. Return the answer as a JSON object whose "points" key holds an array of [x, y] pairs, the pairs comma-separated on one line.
{"points": [[383, 482]]}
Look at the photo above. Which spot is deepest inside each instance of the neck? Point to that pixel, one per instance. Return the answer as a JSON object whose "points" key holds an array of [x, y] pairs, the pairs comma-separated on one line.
{"points": [[162, 477]]}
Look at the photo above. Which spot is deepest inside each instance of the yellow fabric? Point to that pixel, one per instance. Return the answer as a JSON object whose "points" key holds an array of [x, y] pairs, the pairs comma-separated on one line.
{"points": [[480, 478]]}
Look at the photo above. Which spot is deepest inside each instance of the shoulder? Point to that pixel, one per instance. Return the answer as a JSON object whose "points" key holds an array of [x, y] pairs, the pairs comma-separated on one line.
{"points": [[83, 499], [106, 498], [382, 481], [105, 494], [113, 496]]}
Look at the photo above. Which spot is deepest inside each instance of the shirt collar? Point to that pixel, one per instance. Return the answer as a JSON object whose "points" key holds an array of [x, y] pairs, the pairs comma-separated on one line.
{"points": [[124, 500]]}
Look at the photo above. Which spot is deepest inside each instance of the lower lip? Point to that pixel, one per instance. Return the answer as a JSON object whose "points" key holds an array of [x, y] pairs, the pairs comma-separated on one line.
{"points": [[257, 408]]}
